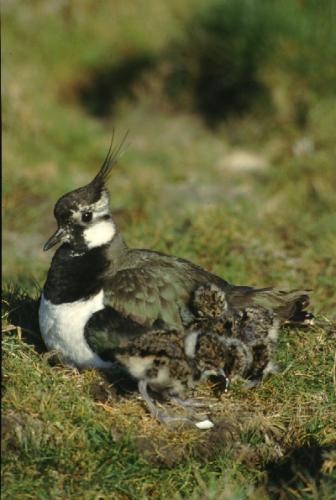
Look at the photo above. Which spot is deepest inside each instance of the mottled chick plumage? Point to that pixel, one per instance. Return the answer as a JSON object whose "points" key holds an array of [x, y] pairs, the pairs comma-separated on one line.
{"points": [[253, 331]]}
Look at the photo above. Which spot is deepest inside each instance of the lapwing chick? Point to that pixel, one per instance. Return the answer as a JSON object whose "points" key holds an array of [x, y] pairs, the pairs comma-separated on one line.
{"points": [[95, 279], [158, 359], [258, 329], [252, 331]]}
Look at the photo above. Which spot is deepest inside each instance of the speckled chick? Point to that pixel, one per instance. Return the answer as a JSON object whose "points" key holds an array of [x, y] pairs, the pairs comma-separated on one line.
{"points": [[170, 363], [251, 333], [159, 358]]}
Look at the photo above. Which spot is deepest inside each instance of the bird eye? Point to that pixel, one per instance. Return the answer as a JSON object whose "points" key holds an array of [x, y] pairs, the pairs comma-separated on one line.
{"points": [[86, 216]]}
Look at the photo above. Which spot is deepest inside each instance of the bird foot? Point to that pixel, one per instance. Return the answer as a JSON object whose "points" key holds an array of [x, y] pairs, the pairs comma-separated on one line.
{"points": [[190, 403], [172, 421], [166, 419]]}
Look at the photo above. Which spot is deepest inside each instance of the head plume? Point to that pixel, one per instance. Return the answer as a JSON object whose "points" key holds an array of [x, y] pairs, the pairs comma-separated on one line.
{"points": [[110, 160]]}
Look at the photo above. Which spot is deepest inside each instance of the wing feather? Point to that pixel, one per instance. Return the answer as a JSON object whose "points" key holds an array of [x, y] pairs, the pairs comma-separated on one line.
{"points": [[147, 294]]}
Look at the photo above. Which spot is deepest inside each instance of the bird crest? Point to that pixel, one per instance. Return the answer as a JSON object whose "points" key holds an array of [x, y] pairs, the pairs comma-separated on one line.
{"points": [[110, 160]]}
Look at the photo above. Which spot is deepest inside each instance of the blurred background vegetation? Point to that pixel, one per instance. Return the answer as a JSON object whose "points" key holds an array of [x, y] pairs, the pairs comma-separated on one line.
{"points": [[231, 108]]}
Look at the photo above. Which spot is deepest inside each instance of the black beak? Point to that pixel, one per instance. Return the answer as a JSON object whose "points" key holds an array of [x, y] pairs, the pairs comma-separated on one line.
{"points": [[54, 239]]}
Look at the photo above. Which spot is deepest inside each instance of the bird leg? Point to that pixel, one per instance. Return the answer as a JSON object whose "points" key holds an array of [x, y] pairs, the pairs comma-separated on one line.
{"points": [[163, 417], [142, 385], [189, 403]]}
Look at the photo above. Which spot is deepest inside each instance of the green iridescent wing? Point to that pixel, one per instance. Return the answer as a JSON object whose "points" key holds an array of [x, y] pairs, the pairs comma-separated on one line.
{"points": [[148, 294]]}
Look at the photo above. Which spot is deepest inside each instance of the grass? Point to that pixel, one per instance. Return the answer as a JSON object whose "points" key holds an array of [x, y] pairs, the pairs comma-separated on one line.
{"points": [[252, 200]]}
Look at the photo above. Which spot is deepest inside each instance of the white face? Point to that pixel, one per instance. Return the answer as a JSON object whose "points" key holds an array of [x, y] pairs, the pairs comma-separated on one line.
{"points": [[100, 229], [99, 233]]}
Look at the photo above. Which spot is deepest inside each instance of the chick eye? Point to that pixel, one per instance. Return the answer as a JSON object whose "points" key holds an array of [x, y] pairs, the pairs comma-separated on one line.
{"points": [[86, 216]]}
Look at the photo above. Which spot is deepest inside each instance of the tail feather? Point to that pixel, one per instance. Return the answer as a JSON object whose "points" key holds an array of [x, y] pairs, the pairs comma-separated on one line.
{"points": [[289, 305]]}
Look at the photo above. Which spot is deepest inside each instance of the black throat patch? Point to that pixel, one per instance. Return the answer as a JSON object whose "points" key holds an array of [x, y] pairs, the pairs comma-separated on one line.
{"points": [[73, 277]]}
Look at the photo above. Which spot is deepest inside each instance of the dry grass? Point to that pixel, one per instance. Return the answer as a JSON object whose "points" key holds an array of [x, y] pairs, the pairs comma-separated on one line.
{"points": [[75, 418]]}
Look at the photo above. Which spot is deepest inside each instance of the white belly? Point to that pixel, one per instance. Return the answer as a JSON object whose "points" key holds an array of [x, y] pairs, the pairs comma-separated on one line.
{"points": [[62, 329]]}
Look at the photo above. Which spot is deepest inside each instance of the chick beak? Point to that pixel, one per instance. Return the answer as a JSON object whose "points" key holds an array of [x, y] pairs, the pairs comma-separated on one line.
{"points": [[54, 239]]}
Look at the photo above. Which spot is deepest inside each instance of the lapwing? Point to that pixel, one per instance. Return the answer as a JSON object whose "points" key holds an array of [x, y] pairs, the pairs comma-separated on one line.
{"points": [[99, 293]]}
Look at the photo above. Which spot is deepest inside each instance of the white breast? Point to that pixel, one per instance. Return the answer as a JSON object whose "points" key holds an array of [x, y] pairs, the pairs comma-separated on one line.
{"points": [[62, 329]]}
